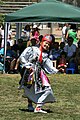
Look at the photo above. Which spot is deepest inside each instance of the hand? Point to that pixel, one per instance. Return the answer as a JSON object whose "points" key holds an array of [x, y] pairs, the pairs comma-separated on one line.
{"points": [[8, 57]]}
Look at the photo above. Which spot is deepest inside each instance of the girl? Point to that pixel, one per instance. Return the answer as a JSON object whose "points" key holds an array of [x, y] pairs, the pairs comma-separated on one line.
{"points": [[34, 81]]}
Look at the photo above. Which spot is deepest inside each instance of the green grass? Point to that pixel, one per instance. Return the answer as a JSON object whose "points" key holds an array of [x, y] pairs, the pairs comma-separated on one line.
{"points": [[66, 90]]}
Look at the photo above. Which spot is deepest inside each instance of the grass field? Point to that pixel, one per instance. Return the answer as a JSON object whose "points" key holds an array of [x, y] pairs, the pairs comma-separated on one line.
{"points": [[66, 90]]}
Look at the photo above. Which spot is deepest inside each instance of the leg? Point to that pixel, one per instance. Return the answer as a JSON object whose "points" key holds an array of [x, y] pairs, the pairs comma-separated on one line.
{"points": [[42, 98], [30, 106], [12, 65], [41, 101], [29, 102]]}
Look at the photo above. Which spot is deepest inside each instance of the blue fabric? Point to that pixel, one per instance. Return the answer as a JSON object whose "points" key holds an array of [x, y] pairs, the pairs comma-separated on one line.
{"points": [[1, 53]]}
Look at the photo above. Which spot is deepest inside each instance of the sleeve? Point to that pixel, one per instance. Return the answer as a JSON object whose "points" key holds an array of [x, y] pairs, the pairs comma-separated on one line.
{"points": [[24, 57], [63, 30], [48, 67], [51, 55], [75, 48], [65, 49]]}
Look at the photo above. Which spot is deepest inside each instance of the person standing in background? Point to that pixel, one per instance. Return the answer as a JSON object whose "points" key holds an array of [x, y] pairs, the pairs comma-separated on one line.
{"points": [[72, 32], [64, 32]]}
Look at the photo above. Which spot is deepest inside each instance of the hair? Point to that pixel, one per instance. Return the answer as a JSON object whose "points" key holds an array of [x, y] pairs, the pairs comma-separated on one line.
{"points": [[70, 38], [27, 26], [33, 41], [53, 38], [20, 40], [0, 40], [56, 43], [73, 26], [63, 53], [40, 38], [8, 44], [78, 43]]}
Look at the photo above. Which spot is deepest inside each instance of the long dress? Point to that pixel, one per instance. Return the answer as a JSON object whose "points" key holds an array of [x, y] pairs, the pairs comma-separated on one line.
{"points": [[26, 58]]}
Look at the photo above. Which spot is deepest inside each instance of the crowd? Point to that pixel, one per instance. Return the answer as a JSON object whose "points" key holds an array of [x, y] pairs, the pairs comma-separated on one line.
{"points": [[64, 52]]}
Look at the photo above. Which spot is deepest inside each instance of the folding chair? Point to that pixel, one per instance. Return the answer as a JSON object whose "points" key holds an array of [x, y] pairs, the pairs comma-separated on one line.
{"points": [[54, 63], [71, 68]]}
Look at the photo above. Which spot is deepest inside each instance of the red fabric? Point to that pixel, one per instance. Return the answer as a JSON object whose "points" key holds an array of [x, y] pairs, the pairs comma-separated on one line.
{"points": [[62, 61], [40, 56], [47, 38], [62, 64]]}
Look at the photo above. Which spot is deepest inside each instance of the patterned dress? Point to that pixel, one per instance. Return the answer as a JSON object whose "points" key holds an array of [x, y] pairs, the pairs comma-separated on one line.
{"points": [[44, 93]]}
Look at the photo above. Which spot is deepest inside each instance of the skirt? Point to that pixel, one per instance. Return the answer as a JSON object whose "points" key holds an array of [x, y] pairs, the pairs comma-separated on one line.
{"points": [[42, 98]]}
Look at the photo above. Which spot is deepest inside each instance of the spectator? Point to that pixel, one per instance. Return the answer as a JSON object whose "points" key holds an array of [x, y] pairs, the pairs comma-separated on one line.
{"points": [[55, 52], [62, 45], [2, 33], [35, 32], [73, 33], [40, 40], [62, 62], [32, 42], [10, 40], [2, 55], [53, 41], [64, 32], [19, 47], [9, 30], [26, 33], [10, 58], [77, 56], [0, 40], [27, 29], [78, 53], [70, 50]]}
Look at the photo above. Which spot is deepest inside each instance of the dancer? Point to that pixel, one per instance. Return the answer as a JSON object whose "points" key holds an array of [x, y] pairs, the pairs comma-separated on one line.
{"points": [[35, 65]]}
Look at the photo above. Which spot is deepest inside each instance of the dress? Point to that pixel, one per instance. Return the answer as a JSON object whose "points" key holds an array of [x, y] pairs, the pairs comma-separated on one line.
{"points": [[26, 58]]}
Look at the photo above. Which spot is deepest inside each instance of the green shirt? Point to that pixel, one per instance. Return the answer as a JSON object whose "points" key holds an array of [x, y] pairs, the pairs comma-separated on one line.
{"points": [[73, 34]]}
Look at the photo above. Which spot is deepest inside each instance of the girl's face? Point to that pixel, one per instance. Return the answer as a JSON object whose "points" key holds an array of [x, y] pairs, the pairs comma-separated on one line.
{"points": [[45, 45]]}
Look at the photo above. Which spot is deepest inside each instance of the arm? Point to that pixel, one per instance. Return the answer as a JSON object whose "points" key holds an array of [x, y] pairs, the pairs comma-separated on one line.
{"points": [[17, 64], [66, 35], [48, 67], [26, 56]]}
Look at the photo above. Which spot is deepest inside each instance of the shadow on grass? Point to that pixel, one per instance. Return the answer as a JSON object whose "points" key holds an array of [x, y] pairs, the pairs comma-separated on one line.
{"points": [[26, 110]]}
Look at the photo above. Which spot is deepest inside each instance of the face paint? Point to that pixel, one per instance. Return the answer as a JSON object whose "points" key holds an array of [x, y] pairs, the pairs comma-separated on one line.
{"points": [[45, 45]]}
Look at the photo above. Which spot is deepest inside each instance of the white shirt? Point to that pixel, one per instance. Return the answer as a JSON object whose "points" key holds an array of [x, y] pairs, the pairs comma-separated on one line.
{"points": [[63, 33]]}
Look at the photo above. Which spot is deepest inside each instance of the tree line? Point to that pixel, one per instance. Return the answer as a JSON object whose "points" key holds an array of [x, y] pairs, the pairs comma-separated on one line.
{"points": [[72, 2]]}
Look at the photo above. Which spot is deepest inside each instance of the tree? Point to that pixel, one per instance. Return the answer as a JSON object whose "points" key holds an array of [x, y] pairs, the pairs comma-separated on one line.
{"points": [[73, 2], [78, 3]]}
